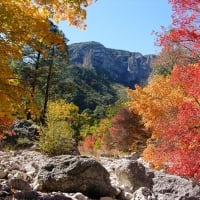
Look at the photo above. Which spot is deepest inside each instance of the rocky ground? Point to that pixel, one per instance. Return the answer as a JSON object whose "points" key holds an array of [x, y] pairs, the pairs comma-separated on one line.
{"points": [[27, 174]]}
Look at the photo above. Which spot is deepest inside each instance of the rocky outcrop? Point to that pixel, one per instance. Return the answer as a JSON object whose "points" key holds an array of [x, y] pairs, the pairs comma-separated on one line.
{"points": [[30, 175], [24, 134], [124, 67], [75, 174]]}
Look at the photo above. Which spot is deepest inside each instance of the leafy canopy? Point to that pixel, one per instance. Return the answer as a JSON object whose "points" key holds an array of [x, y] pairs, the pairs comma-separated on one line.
{"points": [[27, 22]]}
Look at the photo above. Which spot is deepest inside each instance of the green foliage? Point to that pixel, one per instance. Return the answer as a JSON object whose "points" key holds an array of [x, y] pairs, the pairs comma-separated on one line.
{"points": [[89, 89]]}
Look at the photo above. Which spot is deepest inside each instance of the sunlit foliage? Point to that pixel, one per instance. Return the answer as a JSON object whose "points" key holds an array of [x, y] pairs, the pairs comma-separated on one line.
{"points": [[170, 107]]}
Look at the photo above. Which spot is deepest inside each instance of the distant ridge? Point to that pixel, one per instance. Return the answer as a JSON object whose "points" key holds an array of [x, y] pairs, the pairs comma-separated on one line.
{"points": [[124, 67]]}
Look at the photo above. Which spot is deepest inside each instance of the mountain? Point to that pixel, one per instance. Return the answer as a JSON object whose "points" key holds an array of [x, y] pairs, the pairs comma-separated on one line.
{"points": [[124, 67]]}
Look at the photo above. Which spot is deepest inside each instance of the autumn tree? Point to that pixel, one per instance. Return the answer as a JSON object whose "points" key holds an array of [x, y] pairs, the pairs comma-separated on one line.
{"points": [[120, 131], [184, 31], [28, 23], [169, 57], [21, 21], [170, 107], [127, 133]]}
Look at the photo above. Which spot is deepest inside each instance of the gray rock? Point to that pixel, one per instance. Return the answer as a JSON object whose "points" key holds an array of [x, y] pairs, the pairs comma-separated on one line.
{"points": [[24, 134], [167, 186], [26, 195], [133, 174], [143, 193], [80, 196], [127, 68], [25, 128], [5, 191], [33, 195], [75, 174], [3, 173]]}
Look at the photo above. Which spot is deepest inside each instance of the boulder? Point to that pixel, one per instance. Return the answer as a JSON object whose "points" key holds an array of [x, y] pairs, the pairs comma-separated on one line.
{"points": [[24, 134], [133, 174], [75, 174], [149, 184], [33, 195], [5, 191], [166, 186], [19, 184], [25, 128], [143, 193]]}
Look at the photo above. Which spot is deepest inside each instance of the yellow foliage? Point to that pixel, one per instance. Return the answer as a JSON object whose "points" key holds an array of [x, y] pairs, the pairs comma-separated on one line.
{"points": [[56, 138], [14, 97], [26, 22]]}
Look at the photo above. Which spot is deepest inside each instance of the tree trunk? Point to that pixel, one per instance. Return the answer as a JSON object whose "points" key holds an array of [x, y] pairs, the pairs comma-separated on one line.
{"points": [[46, 98]]}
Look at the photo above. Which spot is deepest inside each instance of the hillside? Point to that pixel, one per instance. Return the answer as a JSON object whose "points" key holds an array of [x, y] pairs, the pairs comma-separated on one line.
{"points": [[98, 76], [88, 88]]}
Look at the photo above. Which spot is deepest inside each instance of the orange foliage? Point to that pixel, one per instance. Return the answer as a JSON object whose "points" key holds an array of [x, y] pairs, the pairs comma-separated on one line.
{"points": [[171, 108], [5, 124]]}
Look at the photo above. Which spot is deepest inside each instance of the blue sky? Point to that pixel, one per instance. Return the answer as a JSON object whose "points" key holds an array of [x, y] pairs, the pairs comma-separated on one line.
{"points": [[123, 24]]}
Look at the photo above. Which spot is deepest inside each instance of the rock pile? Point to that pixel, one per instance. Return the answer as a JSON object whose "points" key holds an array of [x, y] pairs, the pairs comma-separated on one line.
{"points": [[30, 175]]}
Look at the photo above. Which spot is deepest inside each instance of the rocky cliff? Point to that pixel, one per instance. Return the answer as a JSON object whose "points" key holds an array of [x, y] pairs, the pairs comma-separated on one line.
{"points": [[124, 67]]}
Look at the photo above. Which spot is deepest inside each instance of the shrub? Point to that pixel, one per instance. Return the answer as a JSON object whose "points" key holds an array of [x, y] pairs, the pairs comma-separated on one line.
{"points": [[57, 137]]}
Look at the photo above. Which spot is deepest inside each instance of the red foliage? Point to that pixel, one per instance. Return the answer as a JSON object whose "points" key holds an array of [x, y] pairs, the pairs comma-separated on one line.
{"points": [[178, 147], [88, 143], [180, 143], [120, 130], [127, 133], [5, 124], [185, 26], [189, 78]]}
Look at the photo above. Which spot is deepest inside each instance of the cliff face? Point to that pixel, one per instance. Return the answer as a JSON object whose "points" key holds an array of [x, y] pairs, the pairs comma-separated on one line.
{"points": [[124, 67]]}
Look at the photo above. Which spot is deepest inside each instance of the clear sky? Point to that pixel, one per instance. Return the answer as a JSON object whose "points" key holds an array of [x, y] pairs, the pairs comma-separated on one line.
{"points": [[123, 24]]}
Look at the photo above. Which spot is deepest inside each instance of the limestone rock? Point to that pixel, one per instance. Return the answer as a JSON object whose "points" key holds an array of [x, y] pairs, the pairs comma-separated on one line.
{"points": [[133, 174], [19, 184], [75, 174], [167, 186], [24, 134], [158, 185], [143, 193]]}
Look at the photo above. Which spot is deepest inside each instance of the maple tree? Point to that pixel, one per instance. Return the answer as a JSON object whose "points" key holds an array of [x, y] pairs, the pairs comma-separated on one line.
{"points": [[127, 132], [170, 107], [185, 27], [27, 22], [5, 124], [15, 98], [23, 20], [121, 131], [169, 57]]}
